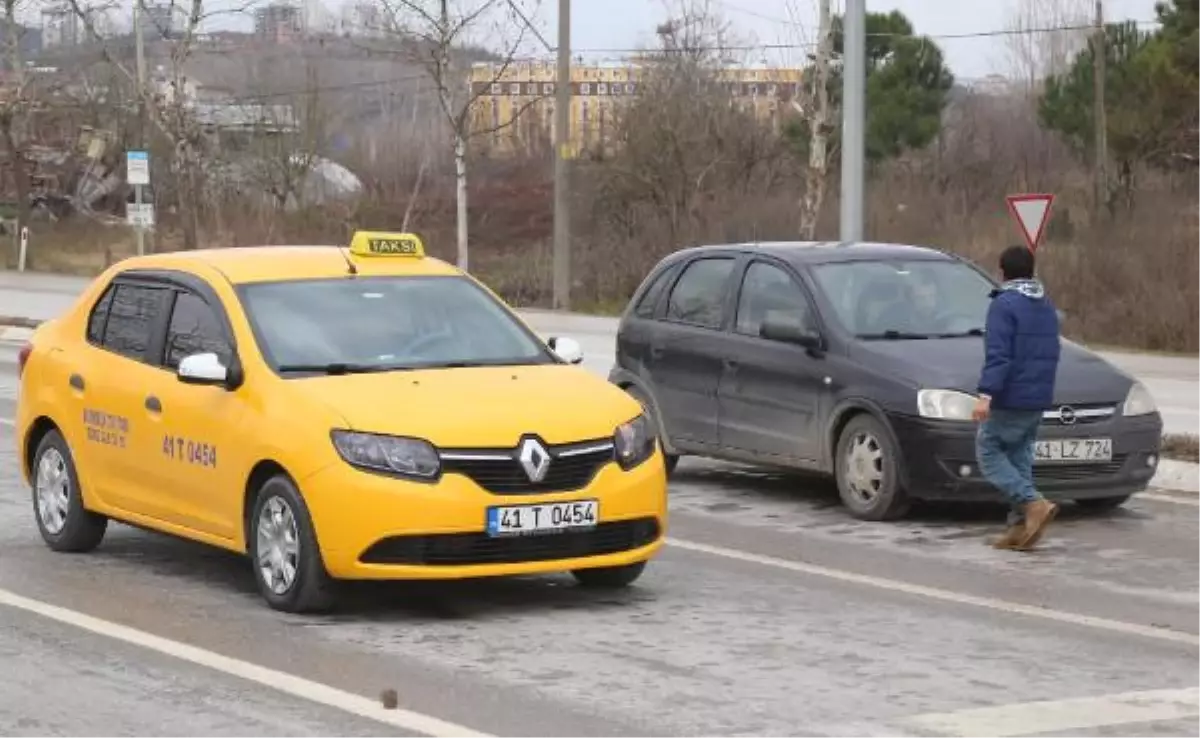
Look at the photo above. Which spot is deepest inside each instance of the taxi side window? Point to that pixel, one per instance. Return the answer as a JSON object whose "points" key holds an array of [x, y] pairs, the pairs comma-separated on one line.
{"points": [[131, 317], [767, 288], [194, 329], [99, 316], [699, 296]]}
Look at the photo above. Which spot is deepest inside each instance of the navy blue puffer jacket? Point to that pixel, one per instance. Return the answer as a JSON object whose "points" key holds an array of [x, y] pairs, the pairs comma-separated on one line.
{"points": [[1022, 347]]}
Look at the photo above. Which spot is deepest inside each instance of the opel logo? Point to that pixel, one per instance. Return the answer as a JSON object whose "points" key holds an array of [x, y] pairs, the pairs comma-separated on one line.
{"points": [[1066, 415], [534, 459]]}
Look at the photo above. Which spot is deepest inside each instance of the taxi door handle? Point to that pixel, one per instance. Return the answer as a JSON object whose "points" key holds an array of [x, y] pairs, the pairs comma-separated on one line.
{"points": [[153, 405], [76, 381]]}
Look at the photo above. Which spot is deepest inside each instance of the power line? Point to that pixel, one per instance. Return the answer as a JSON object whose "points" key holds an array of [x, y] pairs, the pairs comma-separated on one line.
{"points": [[931, 36]]}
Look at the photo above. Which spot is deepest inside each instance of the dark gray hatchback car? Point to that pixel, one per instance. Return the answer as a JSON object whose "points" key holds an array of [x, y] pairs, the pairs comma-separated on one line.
{"points": [[860, 361]]}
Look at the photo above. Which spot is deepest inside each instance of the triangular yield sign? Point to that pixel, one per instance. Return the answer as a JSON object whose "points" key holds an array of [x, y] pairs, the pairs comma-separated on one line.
{"points": [[1031, 213]]}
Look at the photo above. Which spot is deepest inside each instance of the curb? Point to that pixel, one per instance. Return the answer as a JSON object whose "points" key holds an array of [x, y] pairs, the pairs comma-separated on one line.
{"points": [[16, 321]]}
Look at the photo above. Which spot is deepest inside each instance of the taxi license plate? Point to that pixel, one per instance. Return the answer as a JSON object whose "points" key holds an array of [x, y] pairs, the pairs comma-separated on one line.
{"points": [[551, 517], [1074, 449]]}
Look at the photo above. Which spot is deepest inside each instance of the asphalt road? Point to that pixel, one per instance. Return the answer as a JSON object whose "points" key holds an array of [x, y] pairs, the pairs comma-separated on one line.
{"points": [[771, 612]]}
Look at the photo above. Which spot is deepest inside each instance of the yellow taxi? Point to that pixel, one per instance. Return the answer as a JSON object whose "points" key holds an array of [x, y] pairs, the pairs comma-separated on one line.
{"points": [[334, 413]]}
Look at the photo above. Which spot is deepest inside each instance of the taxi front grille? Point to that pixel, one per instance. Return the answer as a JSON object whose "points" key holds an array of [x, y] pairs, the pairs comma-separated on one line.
{"points": [[571, 468], [464, 549]]}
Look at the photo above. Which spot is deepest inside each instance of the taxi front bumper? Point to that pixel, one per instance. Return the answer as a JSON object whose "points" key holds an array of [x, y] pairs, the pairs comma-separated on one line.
{"points": [[371, 526]]}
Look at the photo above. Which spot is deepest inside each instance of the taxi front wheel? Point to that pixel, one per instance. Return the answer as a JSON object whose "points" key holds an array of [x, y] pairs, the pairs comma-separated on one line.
{"points": [[65, 524], [609, 577], [283, 549]]}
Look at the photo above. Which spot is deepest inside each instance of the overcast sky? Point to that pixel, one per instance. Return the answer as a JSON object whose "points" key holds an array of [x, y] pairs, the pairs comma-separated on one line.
{"points": [[616, 24]]}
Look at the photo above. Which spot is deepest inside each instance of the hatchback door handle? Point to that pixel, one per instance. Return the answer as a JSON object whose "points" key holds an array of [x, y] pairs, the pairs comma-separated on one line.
{"points": [[153, 405], [656, 352], [731, 365], [76, 381]]}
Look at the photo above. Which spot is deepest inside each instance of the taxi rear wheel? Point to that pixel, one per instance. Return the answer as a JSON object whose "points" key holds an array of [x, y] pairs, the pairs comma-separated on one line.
{"points": [[609, 577], [64, 523], [284, 552]]}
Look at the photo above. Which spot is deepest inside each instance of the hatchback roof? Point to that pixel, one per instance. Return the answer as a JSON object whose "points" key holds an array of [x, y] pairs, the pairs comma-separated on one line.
{"points": [[821, 252]]}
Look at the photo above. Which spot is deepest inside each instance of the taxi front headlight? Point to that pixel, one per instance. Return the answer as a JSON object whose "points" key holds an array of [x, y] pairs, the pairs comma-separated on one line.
{"points": [[1139, 401], [407, 457], [634, 442], [941, 404]]}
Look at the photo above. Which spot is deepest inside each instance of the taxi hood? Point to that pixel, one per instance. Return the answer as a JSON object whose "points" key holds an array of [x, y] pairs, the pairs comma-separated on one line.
{"points": [[477, 407]]}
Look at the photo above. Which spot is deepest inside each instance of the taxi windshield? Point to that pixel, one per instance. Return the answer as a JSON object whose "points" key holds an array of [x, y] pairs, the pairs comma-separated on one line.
{"points": [[349, 325], [906, 299]]}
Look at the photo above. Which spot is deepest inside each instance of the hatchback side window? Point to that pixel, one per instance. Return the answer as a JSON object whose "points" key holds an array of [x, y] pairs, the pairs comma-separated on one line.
{"points": [[649, 300], [699, 296], [767, 288], [131, 318], [194, 329]]}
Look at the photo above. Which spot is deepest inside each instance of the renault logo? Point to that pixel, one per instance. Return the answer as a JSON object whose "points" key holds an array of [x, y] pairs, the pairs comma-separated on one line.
{"points": [[534, 458], [1066, 415]]}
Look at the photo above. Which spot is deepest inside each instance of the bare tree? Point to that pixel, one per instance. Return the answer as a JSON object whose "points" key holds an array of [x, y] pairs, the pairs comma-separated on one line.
{"points": [[166, 103], [818, 117], [1046, 35], [15, 105], [436, 35]]}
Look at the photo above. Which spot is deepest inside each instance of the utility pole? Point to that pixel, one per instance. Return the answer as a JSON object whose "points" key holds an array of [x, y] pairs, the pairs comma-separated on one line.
{"points": [[140, 47], [854, 106], [1099, 117], [562, 138], [818, 122]]}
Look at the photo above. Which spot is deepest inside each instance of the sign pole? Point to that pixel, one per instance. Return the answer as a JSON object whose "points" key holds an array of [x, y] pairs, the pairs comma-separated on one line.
{"points": [[139, 229]]}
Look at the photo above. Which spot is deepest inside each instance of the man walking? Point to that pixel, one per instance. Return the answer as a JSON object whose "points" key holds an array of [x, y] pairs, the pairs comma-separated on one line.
{"points": [[1015, 387]]}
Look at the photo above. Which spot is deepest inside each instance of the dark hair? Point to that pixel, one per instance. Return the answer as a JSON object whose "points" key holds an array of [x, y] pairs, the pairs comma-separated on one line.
{"points": [[1016, 263]]}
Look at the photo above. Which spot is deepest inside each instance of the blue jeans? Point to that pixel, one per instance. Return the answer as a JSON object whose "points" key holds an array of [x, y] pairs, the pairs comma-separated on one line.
{"points": [[1004, 450]]}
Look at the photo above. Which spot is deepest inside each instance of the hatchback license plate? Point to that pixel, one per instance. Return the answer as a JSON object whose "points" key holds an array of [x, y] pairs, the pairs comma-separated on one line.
{"points": [[550, 517], [1074, 449]]}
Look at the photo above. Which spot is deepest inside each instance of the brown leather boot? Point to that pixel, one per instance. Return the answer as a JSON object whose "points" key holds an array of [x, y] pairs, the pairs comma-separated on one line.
{"points": [[1011, 538], [1038, 515]]}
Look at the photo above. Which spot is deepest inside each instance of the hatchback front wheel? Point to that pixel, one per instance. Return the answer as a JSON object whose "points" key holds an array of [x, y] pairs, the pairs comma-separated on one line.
{"points": [[868, 471]]}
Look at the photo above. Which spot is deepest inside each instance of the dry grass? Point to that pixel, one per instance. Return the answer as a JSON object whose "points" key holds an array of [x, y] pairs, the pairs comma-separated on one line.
{"points": [[1181, 447]]}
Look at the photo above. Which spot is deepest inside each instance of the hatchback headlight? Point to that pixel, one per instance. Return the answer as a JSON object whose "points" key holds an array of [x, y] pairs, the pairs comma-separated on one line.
{"points": [[1139, 401], [941, 404], [408, 457], [634, 442]]}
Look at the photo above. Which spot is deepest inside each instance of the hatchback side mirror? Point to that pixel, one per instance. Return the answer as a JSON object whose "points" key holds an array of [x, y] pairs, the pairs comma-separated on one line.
{"points": [[205, 368], [782, 326], [567, 349]]}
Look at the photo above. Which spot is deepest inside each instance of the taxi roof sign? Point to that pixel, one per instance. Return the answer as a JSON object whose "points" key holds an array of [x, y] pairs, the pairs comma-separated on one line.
{"points": [[384, 243]]}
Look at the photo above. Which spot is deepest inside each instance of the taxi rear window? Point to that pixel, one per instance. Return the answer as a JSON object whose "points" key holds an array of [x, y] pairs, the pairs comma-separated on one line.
{"points": [[385, 323]]}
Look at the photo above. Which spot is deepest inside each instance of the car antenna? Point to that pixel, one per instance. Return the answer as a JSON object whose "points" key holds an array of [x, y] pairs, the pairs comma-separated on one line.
{"points": [[349, 262]]}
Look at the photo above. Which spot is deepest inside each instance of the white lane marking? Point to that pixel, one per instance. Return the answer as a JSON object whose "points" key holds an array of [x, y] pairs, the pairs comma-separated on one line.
{"points": [[287, 683], [8, 422], [945, 595], [1075, 715]]}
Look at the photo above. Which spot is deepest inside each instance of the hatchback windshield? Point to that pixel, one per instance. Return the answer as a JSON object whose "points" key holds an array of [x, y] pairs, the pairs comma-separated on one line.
{"points": [[906, 298], [381, 323]]}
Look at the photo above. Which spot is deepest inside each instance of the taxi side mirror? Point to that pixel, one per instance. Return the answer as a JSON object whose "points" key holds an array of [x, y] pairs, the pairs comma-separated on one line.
{"points": [[567, 349], [205, 368]]}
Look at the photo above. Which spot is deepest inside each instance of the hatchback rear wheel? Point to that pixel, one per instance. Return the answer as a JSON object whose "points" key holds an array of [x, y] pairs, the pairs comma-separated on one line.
{"points": [[670, 460], [868, 471]]}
